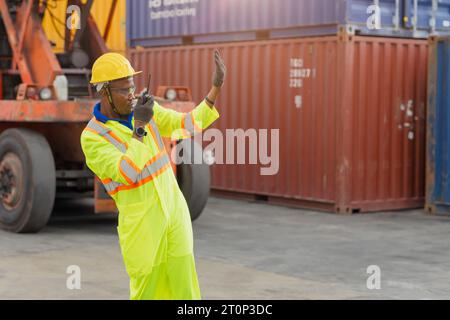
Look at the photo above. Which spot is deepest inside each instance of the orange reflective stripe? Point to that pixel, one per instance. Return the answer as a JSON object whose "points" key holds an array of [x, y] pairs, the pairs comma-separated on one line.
{"points": [[90, 130], [156, 157], [142, 181], [98, 128], [110, 185], [153, 168], [149, 178], [155, 134], [128, 169], [123, 173], [186, 133], [111, 133], [118, 139], [93, 131], [131, 163], [189, 124]]}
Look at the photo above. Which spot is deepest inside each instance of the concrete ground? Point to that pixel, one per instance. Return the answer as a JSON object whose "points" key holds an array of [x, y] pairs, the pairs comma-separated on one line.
{"points": [[244, 251]]}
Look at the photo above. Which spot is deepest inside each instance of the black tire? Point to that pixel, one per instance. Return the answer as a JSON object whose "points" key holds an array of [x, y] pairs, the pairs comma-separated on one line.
{"points": [[194, 179], [33, 204]]}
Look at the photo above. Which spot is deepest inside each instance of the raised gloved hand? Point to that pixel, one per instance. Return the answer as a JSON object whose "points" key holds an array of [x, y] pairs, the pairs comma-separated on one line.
{"points": [[143, 111], [221, 70]]}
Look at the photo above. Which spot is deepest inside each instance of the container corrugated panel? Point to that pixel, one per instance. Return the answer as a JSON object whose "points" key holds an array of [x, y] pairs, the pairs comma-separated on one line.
{"points": [[351, 114], [176, 22], [438, 129], [54, 28], [430, 15]]}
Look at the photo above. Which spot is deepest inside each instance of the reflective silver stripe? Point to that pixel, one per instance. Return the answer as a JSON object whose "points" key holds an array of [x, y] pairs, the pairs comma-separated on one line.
{"points": [[152, 168], [101, 130], [189, 125], [111, 186], [147, 171], [128, 170], [122, 147], [104, 132], [158, 136]]}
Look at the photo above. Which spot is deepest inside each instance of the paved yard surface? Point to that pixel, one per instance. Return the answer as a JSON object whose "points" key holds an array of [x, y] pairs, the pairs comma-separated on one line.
{"points": [[244, 251]]}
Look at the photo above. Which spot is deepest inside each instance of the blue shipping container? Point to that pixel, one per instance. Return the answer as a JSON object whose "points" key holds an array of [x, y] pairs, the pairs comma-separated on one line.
{"points": [[175, 22], [431, 15], [438, 127]]}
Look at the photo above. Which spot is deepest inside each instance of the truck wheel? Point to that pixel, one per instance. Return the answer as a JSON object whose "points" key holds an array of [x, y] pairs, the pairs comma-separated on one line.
{"points": [[193, 179], [27, 181]]}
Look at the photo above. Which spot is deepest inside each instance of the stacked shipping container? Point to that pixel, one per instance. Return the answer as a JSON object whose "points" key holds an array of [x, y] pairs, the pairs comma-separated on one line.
{"points": [[350, 108], [438, 124], [351, 137], [176, 22]]}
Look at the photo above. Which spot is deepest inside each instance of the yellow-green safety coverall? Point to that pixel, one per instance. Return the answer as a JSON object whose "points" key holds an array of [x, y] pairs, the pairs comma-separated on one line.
{"points": [[155, 229]]}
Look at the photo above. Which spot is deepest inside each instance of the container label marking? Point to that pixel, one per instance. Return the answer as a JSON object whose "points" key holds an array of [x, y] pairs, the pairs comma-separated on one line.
{"points": [[167, 13]]}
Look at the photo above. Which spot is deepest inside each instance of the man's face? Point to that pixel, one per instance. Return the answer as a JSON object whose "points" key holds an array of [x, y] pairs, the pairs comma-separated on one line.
{"points": [[122, 92]]}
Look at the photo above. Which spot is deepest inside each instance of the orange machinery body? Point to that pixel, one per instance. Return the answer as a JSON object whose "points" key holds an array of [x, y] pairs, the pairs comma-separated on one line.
{"points": [[32, 66]]}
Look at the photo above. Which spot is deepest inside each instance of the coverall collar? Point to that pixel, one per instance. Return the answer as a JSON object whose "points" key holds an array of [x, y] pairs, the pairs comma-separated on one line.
{"points": [[102, 118]]}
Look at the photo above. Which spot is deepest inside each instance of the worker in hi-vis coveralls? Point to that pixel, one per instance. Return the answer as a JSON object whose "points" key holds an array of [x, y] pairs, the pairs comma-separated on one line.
{"points": [[123, 146]]}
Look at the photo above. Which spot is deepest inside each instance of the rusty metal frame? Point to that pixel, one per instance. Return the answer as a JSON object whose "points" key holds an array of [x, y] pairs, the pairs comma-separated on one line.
{"points": [[109, 21], [29, 7], [30, 51], [18, 60], [45, 111]]}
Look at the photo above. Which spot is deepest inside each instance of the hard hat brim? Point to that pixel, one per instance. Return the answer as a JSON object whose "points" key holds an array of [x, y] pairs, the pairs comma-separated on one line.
{"points": [[113, 79]]}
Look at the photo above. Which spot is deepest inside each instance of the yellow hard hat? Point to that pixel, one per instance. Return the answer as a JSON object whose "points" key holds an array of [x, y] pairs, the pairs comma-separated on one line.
{"points": [[111, 66]]}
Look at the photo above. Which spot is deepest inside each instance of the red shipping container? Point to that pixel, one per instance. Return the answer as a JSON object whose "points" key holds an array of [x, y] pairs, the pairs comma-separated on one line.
{"points": [[350, 109]]}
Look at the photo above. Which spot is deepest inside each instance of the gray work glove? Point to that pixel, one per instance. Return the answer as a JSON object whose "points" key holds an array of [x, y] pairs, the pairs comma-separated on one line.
{"points": [[221, 70], [143, 111]]}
